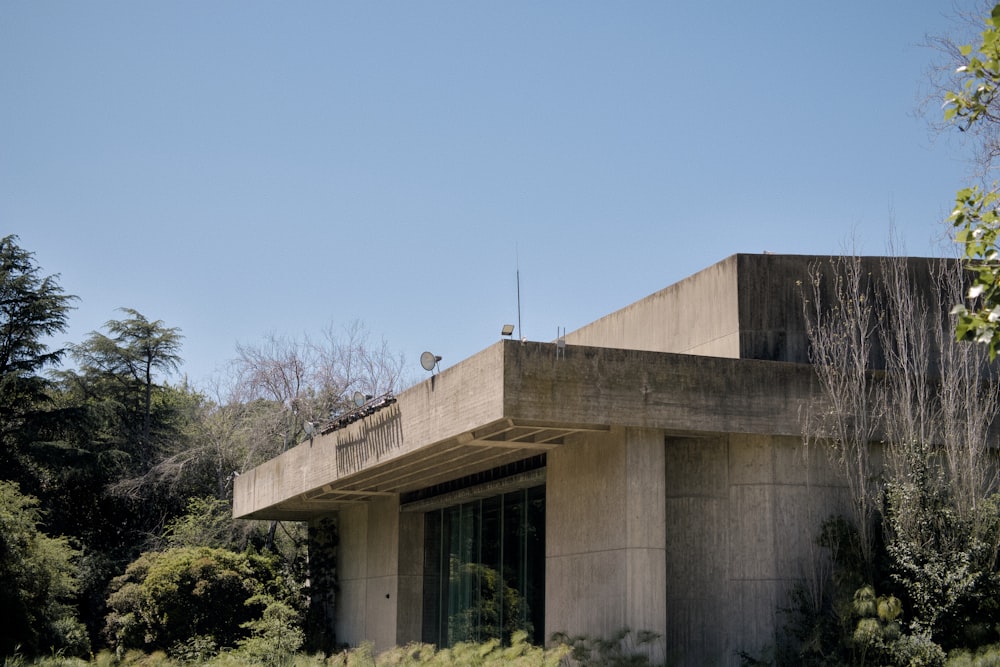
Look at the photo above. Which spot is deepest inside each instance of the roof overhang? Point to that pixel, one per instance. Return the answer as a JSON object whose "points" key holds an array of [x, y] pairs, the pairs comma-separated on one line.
{"points": [[511, 402]]}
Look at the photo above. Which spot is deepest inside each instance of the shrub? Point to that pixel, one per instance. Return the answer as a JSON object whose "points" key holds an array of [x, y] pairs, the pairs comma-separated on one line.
{"points": [[38, 581], [167, 599], [489, 654]]}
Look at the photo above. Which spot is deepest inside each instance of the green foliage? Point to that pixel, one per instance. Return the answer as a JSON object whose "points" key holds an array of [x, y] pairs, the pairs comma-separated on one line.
{"points": [[944, 562], [489, 654], [275, 636], [975, 215], [207, 522], [120, 369], [38, 581], [977, 218], [165, 599], [623, 649], [980, 75], [878, 637], [495, 600], [32, 309], [850, 624], [985, 656]]}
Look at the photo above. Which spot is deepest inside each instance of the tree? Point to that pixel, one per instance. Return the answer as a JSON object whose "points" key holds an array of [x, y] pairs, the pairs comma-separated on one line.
{"points": [[168, 598], [38, 580], [32, 308], [896, 381], [128, 357], [975, 107], [840, 324], [121, 414]]}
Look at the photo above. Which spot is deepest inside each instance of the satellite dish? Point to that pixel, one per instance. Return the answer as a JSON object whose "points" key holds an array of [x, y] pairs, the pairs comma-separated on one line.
{"points": [[429, 360], [310, 429], [359, 399]]}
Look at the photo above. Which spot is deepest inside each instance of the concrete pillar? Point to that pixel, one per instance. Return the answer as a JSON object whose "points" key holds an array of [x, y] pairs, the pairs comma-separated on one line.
{"points": [[382, 583], [605, 534], [645, 508], [381, 575], [353, 575], [322, 552]]}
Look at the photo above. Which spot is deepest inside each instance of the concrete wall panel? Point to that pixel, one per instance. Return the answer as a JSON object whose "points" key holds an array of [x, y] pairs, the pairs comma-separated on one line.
{"points": [[751, 459], [799, 513], [605, 534], [752, 615], [584, 495], [742, 513], [645, 510], [585, 593], [697, 553], [353, 543], [351, 611], [381, 611], [383, 537], [697, 467], [352, 573], [709, 324], [751, 529]]}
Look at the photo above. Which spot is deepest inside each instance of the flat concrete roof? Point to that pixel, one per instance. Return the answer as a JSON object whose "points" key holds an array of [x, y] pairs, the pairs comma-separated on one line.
{"points": [[512, 401]]}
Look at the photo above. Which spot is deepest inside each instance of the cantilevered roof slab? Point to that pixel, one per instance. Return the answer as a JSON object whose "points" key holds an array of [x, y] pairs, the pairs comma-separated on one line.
{"points": [[512, 401]]}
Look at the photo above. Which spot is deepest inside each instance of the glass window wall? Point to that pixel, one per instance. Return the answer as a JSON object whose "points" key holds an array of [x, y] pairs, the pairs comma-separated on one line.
{"points": [[485, 569]]}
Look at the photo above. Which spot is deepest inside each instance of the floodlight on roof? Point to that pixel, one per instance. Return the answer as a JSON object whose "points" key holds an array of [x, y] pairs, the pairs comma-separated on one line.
{"points": [[507, 330]]}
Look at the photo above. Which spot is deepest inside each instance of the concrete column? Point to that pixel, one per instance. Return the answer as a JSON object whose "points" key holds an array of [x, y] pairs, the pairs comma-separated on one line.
{"points": [[605, 534], [381, 575], [322, 551], [353, 579], [382, 585], [645, 519]]}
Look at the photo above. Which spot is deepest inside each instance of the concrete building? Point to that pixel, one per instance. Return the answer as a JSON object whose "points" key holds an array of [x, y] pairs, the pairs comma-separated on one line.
{"points": [[647, 473]]}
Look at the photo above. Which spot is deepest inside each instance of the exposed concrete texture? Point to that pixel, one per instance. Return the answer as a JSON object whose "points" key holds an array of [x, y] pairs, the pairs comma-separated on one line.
{"points": [[743, 512], [746, 306], [353, 575], [378, 588], [698, 315], [411, 578], [605, 552]]}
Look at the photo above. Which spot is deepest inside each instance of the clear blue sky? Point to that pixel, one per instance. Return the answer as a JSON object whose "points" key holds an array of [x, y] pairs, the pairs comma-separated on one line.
{"points": [[239, 168]]}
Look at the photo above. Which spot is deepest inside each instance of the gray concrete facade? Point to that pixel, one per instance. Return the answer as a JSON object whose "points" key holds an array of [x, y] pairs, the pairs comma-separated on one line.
{"points": [[679, 496]]}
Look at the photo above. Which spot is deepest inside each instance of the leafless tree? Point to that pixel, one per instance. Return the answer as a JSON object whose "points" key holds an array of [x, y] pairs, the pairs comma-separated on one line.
{"points": [[894, 379], [259, 408], [841, 322]]}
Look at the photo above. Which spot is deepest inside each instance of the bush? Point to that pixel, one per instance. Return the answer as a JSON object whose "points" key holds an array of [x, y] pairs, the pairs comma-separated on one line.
{"points": [[623, 649], [168, 599], [986, 656], [38, 581], [490, 654]]}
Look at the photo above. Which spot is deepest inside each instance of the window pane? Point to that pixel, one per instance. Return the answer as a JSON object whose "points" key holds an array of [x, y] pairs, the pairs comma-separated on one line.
{"points": [[432, 578], [487, 570], [534, 564]]}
